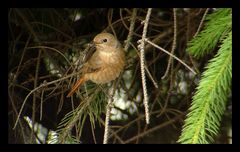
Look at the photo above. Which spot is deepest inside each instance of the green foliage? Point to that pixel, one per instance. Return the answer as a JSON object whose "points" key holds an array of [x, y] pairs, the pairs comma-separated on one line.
{"points": [[209, 101], [92, 106], [218, 24]]}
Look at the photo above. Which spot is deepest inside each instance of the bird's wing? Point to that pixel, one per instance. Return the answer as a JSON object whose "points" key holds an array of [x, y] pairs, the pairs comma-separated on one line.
{"points": [[90, 50]]}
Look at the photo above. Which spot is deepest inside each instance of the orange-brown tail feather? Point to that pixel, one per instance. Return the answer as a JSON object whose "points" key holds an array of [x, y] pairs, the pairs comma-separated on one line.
{"points": [[76, 86]]}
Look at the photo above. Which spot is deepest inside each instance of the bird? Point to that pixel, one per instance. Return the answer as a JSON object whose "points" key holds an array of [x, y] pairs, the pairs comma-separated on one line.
{"points": [[105, 64]]}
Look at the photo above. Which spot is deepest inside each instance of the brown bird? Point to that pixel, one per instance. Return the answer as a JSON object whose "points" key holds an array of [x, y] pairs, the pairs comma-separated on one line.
{"points": [[105, 64]]}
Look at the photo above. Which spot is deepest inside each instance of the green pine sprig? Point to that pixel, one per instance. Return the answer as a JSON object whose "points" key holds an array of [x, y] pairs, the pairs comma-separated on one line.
{"points": [[91, 107], [209, 102], [217, 25]]}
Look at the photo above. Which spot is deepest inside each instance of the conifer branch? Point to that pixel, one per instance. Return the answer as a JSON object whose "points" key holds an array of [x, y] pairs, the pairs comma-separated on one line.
{"points": [[210, 99], [218, 24]]}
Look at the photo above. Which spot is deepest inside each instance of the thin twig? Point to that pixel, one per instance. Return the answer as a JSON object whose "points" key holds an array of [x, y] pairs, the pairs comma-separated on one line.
{"points": [[41, 104], [37, 88], [151, 78], [173, 44], [110, 14], [187, 38], [108, 110], [106, 129], [52, 49], [160, 48], [34, 94], [52, 28], [200, 25], [142, 59], [148, 72], [113, 132], [93, 134], [154, 129], [131, 29], [22, 56], [124, 24]]}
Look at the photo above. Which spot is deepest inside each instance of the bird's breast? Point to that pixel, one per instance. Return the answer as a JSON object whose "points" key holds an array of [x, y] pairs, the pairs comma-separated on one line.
{"points": [[112, 66]]}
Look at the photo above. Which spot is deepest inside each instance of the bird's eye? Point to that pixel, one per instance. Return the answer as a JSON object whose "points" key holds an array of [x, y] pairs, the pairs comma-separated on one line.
{"points": [[104, 40]]}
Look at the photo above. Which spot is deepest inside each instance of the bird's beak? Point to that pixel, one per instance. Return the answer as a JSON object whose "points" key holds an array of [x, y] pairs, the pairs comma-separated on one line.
{"points": [[95, 43]]}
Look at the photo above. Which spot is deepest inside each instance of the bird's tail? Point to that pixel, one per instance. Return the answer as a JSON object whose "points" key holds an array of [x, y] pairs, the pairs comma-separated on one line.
{"points": [[76, 86]]}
